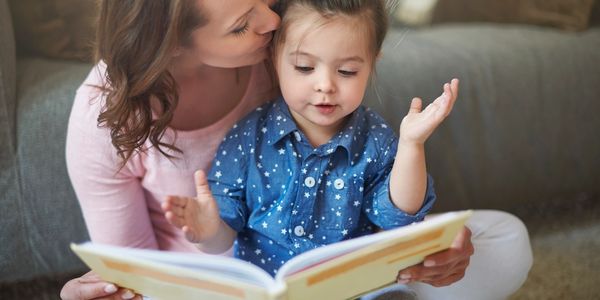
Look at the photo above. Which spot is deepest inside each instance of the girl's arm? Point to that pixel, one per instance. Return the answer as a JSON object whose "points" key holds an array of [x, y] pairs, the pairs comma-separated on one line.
{"points": [[408, 178]]}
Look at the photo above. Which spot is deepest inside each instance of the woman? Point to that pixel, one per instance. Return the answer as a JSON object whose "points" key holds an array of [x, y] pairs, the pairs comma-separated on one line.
{"points": [[172, 77]]}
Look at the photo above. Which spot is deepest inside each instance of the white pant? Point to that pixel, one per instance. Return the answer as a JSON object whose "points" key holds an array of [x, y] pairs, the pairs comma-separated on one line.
{"points": [[498, 267]]}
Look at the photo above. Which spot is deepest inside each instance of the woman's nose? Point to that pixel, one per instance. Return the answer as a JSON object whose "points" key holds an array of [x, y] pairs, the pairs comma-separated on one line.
{"points": [[268, 20]]}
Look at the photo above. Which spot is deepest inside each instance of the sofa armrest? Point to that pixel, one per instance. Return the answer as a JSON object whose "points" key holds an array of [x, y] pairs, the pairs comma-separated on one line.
{"points": [[7, 76], [10, 197]]}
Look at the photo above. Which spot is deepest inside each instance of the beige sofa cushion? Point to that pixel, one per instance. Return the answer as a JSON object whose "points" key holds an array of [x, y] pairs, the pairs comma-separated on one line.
{"points": [[573, 15], [55, 28]]}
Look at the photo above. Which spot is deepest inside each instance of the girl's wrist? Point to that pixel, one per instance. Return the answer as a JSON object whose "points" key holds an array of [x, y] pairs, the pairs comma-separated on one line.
{"points": [[410, 145]]}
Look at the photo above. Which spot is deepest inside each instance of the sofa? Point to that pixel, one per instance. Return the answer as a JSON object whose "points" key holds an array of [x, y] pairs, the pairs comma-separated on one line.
{"points": [[522, 138]]}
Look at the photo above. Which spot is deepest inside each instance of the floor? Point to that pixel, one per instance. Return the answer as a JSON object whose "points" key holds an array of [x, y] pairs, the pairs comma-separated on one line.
{"points": [[566, 252]]}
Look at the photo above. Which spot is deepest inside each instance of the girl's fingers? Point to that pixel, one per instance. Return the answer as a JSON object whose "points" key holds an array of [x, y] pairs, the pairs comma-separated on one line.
{"points": [[178, 210], [175, 201], [174, 220], [454, 83], [416, 105], [202, 188]]}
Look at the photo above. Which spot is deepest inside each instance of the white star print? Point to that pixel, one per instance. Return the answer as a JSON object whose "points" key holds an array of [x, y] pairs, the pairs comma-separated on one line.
{"points": [[345, 232], [338, 197], [281, 151], [264, 130], [218, 174], [265, 224]]}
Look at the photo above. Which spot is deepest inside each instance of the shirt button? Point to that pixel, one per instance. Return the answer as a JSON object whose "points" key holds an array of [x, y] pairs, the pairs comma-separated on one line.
{"points": [[338, 184], [309, 182], [299, 230]]}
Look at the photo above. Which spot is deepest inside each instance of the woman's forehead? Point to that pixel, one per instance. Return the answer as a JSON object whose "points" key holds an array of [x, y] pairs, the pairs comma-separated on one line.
{"points": [[225, 12]]}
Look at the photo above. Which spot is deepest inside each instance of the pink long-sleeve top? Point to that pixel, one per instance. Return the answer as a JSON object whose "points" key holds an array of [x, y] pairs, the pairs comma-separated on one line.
{"points": [[122, 207]]}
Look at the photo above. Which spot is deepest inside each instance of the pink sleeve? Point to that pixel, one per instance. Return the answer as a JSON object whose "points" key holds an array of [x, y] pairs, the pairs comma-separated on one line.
{"points": [[112, 200]]}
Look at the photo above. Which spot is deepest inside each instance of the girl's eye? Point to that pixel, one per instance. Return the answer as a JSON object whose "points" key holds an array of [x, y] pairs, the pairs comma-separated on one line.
{"points": [[347, 73], [303, 69], [241, 30]]}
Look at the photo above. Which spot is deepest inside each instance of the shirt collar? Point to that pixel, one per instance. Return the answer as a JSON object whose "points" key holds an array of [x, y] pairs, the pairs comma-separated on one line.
{"points": [[352, 136], [279, 122]]}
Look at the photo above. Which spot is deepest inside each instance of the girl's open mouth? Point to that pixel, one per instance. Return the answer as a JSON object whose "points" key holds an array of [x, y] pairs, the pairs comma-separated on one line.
{"points": [[325, 108]]}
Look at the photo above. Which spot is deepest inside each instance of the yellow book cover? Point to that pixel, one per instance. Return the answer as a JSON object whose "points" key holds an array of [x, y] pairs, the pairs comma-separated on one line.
{"points": [[343, 270]]}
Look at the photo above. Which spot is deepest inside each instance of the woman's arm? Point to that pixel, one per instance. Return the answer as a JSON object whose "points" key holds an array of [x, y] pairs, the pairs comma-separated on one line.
{"points": [[112, 199]]}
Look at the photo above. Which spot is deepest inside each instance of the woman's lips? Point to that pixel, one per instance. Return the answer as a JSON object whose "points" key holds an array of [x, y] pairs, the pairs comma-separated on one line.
{"points": [[325, 108]]}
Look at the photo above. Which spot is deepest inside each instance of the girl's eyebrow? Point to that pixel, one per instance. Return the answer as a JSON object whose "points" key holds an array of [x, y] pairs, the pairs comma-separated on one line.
{"points": [[238, 20], [355, 58]]}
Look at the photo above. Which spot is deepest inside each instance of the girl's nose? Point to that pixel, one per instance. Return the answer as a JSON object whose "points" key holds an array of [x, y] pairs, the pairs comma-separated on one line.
{"points": [[324, 84]]}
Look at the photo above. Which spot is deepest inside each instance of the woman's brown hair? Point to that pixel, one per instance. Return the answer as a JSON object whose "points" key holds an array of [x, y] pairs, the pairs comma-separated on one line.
{"points": [[136, 40]]}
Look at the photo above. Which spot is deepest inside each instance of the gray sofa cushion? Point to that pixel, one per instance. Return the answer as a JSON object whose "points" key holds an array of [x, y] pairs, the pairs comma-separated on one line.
{"points": [[529, 98], [47, 214]]}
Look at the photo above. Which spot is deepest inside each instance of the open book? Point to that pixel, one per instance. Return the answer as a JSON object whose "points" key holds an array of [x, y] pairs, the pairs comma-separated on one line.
{"points": [[342, 270]]}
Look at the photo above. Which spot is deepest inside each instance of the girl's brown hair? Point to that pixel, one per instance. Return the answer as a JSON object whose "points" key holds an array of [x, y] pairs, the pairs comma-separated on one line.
{"points": [[136, 40], [372, 12]]}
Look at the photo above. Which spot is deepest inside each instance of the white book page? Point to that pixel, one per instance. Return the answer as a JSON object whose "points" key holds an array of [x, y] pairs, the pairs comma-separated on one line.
{"points": [[325, 253], [220, 266]]}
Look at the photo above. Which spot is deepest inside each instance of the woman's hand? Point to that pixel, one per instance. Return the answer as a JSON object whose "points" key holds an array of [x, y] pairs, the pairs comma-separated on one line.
{"points": [[418, 125], [443, 268], [91, 286]]}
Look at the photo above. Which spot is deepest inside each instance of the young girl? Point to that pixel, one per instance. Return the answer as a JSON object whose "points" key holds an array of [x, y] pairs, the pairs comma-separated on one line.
{"points": [[314, 167]]}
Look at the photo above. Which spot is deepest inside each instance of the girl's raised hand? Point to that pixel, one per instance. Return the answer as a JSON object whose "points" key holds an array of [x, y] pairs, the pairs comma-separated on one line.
{"points": [[197, 217], [418, 125]]}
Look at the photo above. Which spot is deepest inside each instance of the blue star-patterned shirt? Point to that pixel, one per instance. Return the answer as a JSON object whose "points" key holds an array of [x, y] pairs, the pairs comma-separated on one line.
{"points": [[285, 197]]}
